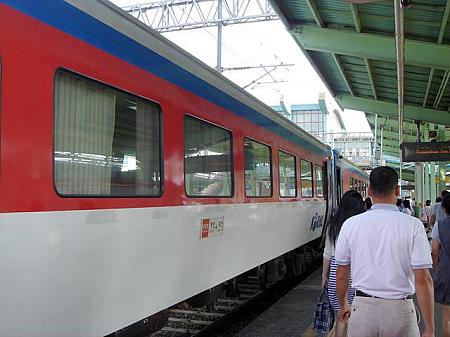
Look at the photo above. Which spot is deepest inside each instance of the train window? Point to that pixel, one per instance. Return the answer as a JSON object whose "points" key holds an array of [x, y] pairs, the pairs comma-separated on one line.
{"points": [[258, 169], [106, 141], [319, 181], [287, 174], [306, 178], [208, 166]]}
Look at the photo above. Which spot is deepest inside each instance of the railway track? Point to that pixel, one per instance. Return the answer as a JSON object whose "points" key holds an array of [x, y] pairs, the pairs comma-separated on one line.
{"points": [[214, 319]]}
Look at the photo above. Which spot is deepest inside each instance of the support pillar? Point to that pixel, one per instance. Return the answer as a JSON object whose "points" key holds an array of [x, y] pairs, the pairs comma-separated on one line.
{"points": [[442, 168], [432, 171], [426, 172], [419, 179], [219, 36], [433, 191], [418, 189], [426, 183]]}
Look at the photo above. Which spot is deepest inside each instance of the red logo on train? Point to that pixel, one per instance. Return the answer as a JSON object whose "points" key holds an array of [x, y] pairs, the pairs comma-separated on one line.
{"points": [[205, 228]]}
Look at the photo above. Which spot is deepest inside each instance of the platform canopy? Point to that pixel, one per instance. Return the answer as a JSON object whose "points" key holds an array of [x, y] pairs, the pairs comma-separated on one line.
{"points": [[352, 47]]}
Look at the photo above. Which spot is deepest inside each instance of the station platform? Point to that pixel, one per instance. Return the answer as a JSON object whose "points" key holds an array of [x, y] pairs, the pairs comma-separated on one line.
{"points": [[292, 315]]}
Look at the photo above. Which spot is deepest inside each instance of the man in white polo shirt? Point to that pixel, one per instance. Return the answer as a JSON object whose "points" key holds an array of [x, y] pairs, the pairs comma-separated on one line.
{"points": [[389, 256]]}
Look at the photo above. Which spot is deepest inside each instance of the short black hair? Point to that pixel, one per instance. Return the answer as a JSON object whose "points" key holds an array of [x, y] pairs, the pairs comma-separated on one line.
{"points": [[428, 202], [407, 203], [444, 193], [383, 180], [446, 203]]}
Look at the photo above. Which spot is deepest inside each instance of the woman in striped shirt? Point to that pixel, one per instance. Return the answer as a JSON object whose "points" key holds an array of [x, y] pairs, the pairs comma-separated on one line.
{"points": [[351, 204]]}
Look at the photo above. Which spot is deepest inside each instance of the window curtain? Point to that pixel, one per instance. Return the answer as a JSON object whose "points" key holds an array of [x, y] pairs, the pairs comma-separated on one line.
{"points": [[84, 130], [147, 149]]}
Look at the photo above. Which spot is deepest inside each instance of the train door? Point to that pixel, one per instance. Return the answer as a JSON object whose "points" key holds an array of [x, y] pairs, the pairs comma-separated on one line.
{"points": [[338, 185], [329, 193]]}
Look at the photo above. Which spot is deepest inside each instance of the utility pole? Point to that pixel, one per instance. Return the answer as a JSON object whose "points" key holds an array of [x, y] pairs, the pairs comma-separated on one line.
{"points": [[219, 35]]}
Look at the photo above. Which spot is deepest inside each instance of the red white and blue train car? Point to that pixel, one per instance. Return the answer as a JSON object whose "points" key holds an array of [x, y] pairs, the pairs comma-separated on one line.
{"points": [[132, 176]]}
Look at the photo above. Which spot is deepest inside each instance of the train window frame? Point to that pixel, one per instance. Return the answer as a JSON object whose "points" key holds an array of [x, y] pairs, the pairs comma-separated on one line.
{"points": [[270, 166], [232, 188], [312, 178], [316, 169], [295, 175], [105, 84]]}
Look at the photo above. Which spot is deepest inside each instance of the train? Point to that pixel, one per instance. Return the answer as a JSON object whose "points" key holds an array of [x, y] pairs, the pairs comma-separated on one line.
{"points": [[134, 177]]}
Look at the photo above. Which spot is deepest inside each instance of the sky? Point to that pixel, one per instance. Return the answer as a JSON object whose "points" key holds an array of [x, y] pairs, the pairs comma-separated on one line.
{"points": [[263, 43]]}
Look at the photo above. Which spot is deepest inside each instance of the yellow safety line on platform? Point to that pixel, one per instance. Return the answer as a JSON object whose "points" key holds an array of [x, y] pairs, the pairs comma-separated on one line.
{"points": [[309, 332]]}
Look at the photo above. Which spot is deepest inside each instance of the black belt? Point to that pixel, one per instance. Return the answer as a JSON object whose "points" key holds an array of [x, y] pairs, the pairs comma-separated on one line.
{"points": [[363, 294]]}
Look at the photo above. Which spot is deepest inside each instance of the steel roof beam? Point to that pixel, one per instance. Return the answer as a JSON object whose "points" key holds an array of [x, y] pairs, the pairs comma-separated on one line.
{"points": [[363, 45], [386, 123], [391, 153], [427, 91], [395, 128], [372, 82], [174, 15], [318, 19], [439, 41], [391, 143], [342, 72], [357, 22], [390, 135], [391, 148], [315, 12], [384, 108]]}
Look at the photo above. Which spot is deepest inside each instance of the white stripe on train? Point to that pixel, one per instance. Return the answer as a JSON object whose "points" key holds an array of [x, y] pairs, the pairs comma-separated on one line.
{"points": [[89, 273]]}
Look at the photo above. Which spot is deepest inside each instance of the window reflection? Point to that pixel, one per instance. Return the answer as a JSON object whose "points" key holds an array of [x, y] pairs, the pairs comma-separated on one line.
{"points": [[207, 159], [258, 171], [287, 174], [306, 178], [107, 142]]}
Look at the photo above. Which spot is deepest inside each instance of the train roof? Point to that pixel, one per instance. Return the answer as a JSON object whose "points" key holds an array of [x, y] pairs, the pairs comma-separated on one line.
{"points": [[106, 26]]}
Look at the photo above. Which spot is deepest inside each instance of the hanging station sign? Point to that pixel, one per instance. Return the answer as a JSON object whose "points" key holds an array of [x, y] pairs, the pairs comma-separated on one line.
{"points": [[426, 151]]}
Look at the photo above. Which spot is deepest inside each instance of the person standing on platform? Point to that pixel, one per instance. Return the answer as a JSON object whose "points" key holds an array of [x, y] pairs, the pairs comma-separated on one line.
{"points": [[441, 262], [399, 204], [425, 213], [437, 212], [407, 207], [368, 203], [389, 256], [351, 204]]}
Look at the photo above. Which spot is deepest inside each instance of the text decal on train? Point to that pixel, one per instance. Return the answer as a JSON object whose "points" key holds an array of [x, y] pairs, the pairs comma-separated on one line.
{"points": [[316, 222], [211, 227]]}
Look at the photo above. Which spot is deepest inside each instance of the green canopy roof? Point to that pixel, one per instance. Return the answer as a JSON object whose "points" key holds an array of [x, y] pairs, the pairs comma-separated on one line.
{"points": [[352, 48]]}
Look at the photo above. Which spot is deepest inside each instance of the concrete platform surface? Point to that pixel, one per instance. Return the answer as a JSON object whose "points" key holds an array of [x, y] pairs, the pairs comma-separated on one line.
{"points": [[292, 315]]}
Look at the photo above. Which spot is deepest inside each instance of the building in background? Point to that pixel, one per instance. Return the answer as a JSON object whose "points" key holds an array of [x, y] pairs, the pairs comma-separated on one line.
{"points": [[357, 147], [310, 117]]}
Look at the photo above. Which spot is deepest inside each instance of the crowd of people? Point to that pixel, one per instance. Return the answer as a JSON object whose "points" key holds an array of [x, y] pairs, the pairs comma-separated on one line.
{"points": [[377, 256]]}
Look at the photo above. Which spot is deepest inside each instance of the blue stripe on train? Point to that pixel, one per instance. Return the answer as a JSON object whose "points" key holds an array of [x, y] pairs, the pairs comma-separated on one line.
{"points": [[73, 21]]}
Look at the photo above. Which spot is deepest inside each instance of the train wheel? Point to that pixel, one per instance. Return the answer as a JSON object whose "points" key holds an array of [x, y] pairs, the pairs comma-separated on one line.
{"points": [[262, 276]]}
